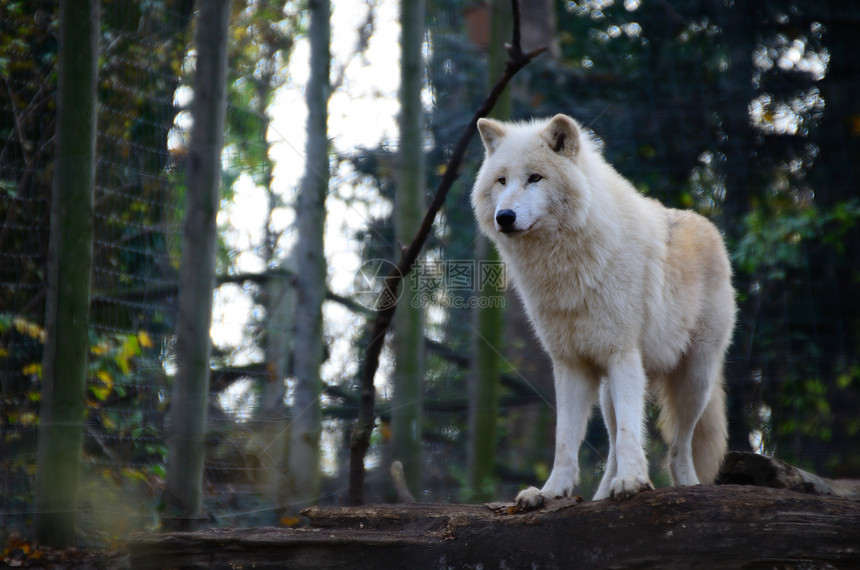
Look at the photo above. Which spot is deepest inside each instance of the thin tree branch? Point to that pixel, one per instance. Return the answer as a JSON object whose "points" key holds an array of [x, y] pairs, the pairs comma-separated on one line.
{"points": [[360, 437]]}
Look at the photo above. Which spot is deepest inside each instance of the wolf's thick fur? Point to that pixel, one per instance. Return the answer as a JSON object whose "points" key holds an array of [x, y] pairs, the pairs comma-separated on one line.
{"points": [[625, 295]]}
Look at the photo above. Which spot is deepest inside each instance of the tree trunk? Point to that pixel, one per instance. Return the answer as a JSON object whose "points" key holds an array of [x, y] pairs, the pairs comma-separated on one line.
{"points": [[274, 420], [189, 397], [539, 26], [486, 365], [69, 277], [304, 470], [408, 338]]}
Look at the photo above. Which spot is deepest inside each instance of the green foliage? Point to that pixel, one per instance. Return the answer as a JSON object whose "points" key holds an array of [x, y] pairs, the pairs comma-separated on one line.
{"points": [[779, 250], [125, 447], [262, 35], [143, 48], [28, 53], [776, 240]]}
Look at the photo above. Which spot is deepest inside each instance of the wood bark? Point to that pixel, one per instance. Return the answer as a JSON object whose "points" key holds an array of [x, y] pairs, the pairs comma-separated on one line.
{"points": [[183, 496], [700, 527], [69, 277]]}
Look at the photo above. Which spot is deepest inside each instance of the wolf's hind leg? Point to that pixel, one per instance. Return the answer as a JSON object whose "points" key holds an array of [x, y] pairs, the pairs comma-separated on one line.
{"points": [[609, 420], [686, 396]]}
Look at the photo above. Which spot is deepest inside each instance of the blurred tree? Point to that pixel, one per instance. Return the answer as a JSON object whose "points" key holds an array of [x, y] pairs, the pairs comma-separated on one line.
{"points": [[488, 328], [262, 37], [183, 495], [69, 266], [304, 462], [409, 207]]}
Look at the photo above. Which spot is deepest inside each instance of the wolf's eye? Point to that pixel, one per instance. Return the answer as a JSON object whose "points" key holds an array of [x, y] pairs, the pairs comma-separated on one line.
{"points": [[502, 180], [534, 178]]}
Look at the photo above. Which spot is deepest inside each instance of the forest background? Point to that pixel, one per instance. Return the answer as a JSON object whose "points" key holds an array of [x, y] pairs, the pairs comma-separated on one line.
{"points": [[746, 112]]}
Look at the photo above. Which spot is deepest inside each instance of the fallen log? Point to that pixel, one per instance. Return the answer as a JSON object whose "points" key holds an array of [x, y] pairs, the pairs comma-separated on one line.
{"points": [[702, 527], [744, 468]]}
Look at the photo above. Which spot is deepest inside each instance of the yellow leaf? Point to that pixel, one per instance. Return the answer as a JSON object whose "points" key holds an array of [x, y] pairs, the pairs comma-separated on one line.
{"points": [[105, 377], [131, 473], [33, 368], [144, 339], [20, 325], [99, 349], [100, 392], [32, 330]]}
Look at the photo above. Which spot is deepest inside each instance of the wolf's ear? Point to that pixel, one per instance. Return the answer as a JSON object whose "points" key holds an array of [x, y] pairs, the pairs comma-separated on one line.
{"points": [[562, 135], [492, 133]]}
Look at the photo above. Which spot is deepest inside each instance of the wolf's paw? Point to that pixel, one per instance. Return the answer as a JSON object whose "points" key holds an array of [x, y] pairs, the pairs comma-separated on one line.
{"points": [[529, 499], [623, 488]]}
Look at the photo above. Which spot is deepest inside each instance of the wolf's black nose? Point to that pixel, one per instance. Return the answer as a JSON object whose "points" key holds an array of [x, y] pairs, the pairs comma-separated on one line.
{"points": [[506, 218]]}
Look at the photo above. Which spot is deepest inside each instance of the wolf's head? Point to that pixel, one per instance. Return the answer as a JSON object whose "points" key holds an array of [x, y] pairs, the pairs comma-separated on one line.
{"points": [[532, 180]]}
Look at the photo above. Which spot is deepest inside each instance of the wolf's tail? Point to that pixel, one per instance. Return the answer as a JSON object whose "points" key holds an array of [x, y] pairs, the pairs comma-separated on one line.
{"points": [[710, 438]]}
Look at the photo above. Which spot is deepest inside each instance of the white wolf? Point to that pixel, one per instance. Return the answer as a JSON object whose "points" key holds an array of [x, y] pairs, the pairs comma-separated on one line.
{"points": [[625, 295]]}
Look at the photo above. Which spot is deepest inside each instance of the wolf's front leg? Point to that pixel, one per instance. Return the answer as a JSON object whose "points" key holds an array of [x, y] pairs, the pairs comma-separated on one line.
{"points": [[575, 393], [626, 391]]}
